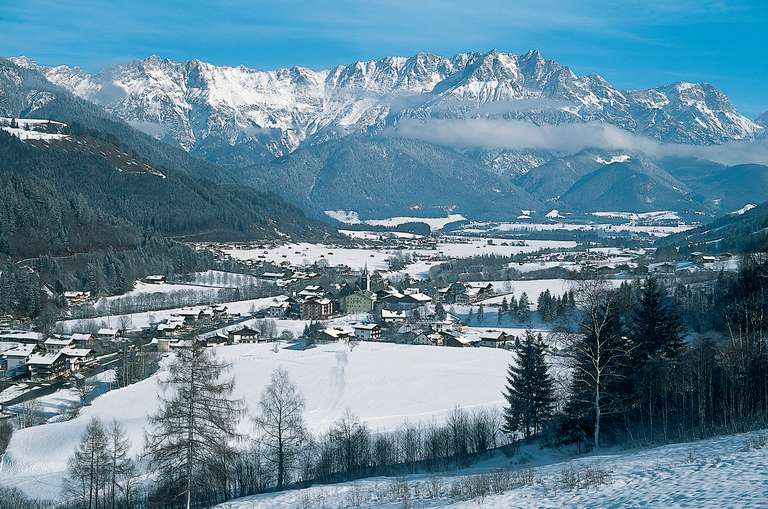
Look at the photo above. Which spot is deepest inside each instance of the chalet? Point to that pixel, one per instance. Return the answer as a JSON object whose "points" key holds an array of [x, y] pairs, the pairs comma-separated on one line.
{"points": [[316, 308], [662, 268], [156, 279], [16, 360], [173, 326], [391, 318], [459, 339], [311, 291], [182, 344], [448, 294], [219, 310], [76, 298], [243, 334], [493, 338], [357, 302], [190, 315], [53, 345], [108, 334], [334, 334], [368, 332], [48, 366], [78, 357], [277, 310], [83, 338]]}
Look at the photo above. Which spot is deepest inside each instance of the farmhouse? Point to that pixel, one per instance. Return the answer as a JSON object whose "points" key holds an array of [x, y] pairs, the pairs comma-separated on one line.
{"points": [[108, 334], [48, 366], [243, 334], [57, 344], [493, 338], [78, 357], [367, 332]]}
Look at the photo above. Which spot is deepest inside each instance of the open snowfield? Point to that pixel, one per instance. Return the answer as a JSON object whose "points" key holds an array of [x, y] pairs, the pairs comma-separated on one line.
{"points": [[723, 472], [351, 217], [521, 227], [376, 259], [370, 380]]}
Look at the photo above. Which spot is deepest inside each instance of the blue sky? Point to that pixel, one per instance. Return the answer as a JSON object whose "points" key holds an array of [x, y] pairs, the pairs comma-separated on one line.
{"points": [[632, 43]]}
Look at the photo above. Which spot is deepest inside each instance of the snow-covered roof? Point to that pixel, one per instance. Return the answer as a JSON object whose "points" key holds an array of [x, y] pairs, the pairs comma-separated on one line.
{"points": [[108, 332], [76, 352], [45, 359], [58, 342], [20, 351], [385, 313], [21, 335], [81, 336], [366, 326]]}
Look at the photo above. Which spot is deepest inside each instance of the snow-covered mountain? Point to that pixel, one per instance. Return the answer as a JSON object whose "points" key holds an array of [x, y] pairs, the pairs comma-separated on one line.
{"points": [[238, 115]]}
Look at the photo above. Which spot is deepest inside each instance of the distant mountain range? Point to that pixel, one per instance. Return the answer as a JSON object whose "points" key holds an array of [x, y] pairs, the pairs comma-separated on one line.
{"points": [[331, 139]]}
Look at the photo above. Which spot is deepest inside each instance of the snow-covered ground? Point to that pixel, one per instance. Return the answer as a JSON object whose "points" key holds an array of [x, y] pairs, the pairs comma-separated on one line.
{"points": [[351, 217], [369, 379], [376, 259], [728, 471], [510, 227]]}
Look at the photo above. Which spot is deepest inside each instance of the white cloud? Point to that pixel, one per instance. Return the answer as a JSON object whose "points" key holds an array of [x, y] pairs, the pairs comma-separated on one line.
{"points": [[569, 138]]}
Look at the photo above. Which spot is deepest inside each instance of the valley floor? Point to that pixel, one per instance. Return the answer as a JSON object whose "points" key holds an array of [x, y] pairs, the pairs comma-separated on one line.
{"points": [[728, 471]]}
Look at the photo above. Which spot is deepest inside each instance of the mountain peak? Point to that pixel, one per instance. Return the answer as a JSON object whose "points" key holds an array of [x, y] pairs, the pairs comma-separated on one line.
{"points": [[762, 119], [25, 62]]}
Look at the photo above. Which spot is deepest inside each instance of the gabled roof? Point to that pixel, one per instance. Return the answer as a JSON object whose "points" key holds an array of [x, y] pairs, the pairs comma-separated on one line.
{"points": [[20, 351], [76, 352], [43, 359]]}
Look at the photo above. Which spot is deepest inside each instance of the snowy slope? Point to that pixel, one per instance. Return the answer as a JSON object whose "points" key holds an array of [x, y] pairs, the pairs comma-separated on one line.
{"points": [[369, 380], [722, 472], [208, 108]]}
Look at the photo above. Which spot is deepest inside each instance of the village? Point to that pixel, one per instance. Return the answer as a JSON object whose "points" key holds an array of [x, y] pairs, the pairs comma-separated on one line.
{"points": [[379, 286]]}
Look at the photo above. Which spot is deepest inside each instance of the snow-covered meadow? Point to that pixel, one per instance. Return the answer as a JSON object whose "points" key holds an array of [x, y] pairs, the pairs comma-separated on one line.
{"points": [[369, 380], [721, 472]]}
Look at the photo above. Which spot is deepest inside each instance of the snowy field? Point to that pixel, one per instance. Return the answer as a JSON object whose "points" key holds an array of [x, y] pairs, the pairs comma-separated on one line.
{"points": [[351, 217], [723, 472], [376, 259], [369, 380], [653, 230]]}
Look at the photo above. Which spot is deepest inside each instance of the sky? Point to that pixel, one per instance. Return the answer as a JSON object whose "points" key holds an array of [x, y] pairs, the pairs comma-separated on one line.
{"points": [[632, 43]]}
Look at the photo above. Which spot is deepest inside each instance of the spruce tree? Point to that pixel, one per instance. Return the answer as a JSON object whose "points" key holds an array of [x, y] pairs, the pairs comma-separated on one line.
{"points": [[530, 390], [654, 328]]}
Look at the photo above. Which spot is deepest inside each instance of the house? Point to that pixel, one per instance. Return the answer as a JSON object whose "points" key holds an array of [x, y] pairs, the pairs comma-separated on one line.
{"points": [[357, 302], [493, 338], [48, 366], [367, 332], [391, 318], [190, 315], [219, 310], [334, 334], [459, 339], [316, 308], [83, 338], [78, 357], [108, 334], [16, 359], [173, 326], [76, 298], [243, 334], [52, 345], [277, 310], [661, 268], [156, 279]]}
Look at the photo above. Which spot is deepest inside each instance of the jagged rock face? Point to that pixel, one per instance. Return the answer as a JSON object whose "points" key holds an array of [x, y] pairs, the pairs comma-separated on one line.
{"points": [[237, 115]]}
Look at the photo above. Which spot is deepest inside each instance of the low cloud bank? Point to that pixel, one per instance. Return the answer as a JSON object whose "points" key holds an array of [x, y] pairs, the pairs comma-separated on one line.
{"points": [[570, 138]]}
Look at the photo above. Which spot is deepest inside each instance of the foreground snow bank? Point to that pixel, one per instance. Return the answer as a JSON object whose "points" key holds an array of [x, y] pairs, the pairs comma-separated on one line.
{"points": [[723, 472], [384, 384]]}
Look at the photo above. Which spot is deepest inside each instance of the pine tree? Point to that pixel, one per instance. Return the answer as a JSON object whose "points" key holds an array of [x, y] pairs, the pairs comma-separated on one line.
{"points": [[654, 328], [191, 434], [530, 390], [504, 305], [523, 308]]}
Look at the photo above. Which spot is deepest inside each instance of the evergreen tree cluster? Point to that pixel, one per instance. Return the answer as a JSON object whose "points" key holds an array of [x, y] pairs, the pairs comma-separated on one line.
{"points": [[551, 308]]}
